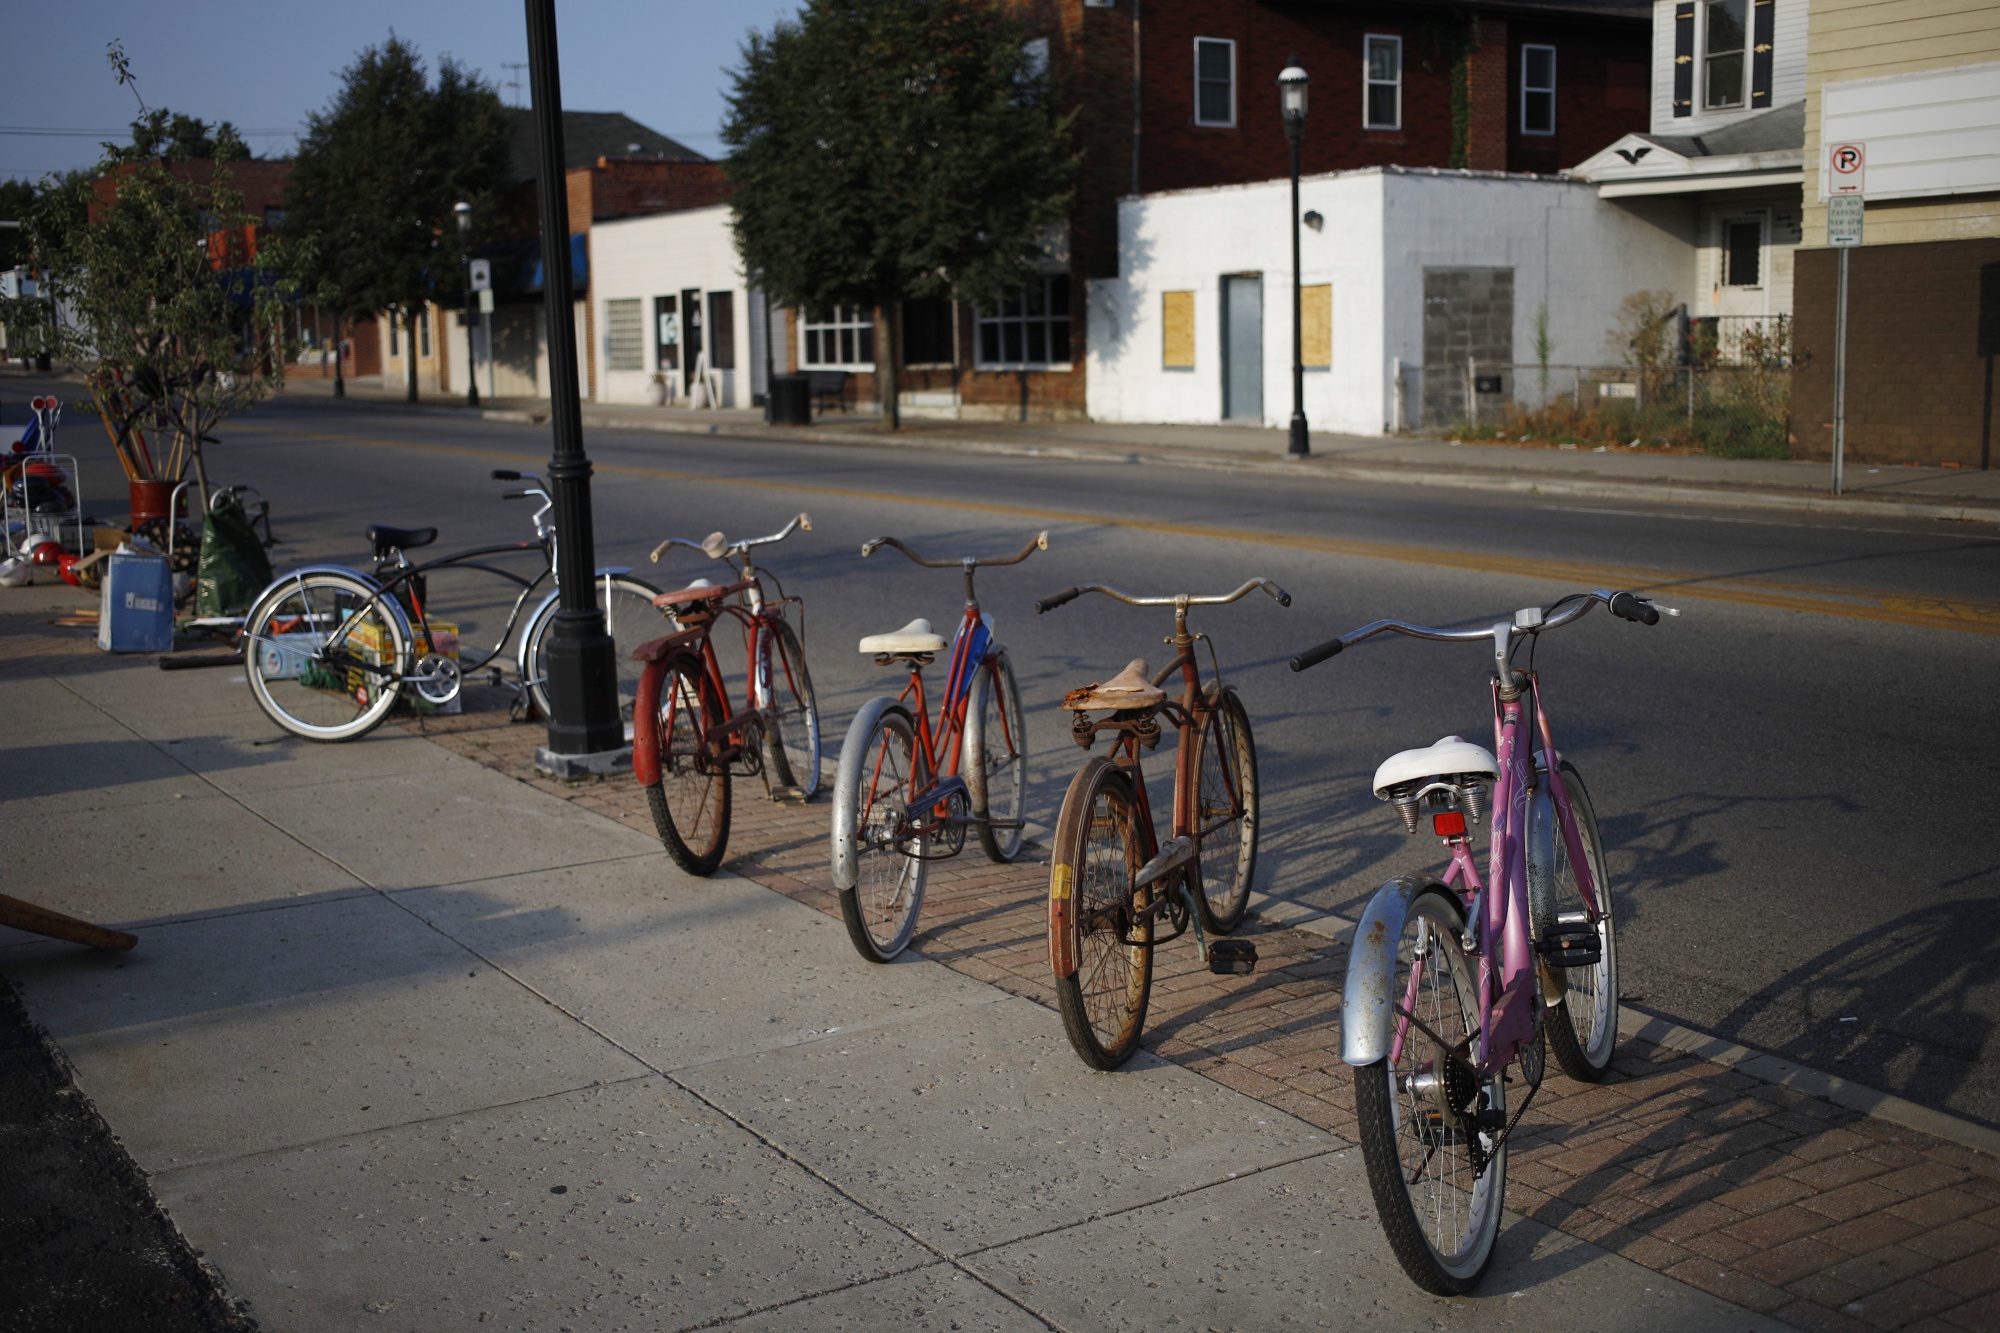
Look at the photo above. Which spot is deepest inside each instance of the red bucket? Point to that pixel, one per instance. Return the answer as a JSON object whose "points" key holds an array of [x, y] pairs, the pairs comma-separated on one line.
{"points": [[150, 500]]}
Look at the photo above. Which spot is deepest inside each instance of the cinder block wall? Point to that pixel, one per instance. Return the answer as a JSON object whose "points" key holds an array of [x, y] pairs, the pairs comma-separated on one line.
{"points": [[1917, 390]]}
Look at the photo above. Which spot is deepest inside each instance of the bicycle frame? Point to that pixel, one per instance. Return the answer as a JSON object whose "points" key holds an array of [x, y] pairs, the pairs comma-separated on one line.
{"points": [[1509, 982]]}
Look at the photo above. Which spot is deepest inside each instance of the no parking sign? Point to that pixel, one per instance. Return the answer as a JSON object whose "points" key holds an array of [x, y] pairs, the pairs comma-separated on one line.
{"points": [[1846, 169]]}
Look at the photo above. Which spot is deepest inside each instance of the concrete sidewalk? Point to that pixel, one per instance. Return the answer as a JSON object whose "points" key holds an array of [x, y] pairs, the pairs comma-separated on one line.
{"points": [[1610, 474], [408, 1044]]}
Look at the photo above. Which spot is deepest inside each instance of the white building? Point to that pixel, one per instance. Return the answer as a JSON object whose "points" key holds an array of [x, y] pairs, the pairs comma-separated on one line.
{"points": [[1401, 270], [673, 308]]}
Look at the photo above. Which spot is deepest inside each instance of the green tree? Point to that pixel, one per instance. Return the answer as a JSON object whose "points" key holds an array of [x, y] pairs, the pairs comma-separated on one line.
{"points": [[884, 149], [368, 221]]}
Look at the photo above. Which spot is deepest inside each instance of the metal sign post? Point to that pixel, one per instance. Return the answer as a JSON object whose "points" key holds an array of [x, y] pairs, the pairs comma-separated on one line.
{"points": [[1845, 180]]}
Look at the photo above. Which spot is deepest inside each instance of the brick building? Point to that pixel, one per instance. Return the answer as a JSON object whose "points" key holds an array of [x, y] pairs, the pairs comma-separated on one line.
{"points": [[1176, 95]]}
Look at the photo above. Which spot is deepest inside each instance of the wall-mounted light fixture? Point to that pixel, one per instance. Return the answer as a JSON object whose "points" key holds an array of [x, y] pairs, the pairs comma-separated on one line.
{"points": [[1313, 219]]}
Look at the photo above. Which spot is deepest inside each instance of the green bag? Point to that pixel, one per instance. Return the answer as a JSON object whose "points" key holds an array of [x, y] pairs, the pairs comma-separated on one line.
{"points": [[234, 566]]}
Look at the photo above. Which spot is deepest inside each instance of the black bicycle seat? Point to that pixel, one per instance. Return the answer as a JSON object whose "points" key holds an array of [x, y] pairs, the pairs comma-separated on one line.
{"points": [[387, 539]]}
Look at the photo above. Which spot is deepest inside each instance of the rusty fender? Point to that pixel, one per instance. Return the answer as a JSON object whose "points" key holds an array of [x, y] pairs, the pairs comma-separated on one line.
{"points": [[1368, 999]]}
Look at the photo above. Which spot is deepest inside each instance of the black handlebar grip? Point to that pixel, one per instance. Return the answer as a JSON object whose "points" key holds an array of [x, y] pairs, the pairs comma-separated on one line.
{"points": [[1312, 657], [1637, 609], [505, 474], [1284, 599], [518, 495], [1051, 603]]}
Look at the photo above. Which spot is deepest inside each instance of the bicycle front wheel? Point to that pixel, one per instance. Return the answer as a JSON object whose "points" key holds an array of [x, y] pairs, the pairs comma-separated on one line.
{"points": [[791, 714], [1102, 955], [880, 875], [1437, 1178], [690, 802], [995, 763], [1583, 1029], [1225, 813], [630, 618], [324, 657]]}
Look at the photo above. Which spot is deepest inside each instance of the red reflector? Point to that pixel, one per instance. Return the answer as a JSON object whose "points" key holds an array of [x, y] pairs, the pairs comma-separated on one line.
{"points": [[1448, 825]]}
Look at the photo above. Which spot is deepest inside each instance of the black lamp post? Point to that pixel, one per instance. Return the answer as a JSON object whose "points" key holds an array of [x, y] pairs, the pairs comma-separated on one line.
{"points": [[586, 734], [1292, 100], [464, 212]]}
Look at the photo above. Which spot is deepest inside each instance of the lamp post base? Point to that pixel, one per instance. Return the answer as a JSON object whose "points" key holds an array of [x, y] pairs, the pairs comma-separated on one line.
{"points": [[1299, 446]]}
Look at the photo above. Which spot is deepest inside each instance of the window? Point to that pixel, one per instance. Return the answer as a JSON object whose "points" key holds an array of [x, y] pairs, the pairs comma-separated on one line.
{"points": [[927, 339], [1034, 69], [624, 335], [274, 217], [1316, 327], [845, 336], [667, 332], [1538, 90], [1214, 81], [1029, 329], [1722, 57], [424, 332], [395, 331], [1743, 253], [1383, 109], [722, 330], [1177, 330]]}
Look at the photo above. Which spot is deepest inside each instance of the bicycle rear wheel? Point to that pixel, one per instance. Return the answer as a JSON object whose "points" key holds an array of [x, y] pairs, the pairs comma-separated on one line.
{"points": [[312, 690], [880, 877], [791, 736], [1102, 957], [630, 618], [995, 763], [1583, 1029], [690, 802], [1441, 1214], [1226, 813]]}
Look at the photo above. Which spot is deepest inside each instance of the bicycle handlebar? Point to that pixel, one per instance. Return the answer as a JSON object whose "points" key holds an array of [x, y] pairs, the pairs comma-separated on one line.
{"points": [[715, 546], [1039, 542], [1528, 620], [1277, 594]]}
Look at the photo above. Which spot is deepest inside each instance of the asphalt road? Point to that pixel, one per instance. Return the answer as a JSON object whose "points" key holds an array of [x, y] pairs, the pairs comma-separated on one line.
{"points": [[1795, 779]]}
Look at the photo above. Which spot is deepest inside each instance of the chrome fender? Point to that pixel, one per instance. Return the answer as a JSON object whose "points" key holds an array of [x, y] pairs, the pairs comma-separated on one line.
{"points": [[1368, 1000], [278, 585], [847, 782]]}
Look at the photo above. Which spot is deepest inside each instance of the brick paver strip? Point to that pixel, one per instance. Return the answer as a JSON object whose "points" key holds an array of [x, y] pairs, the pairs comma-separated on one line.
{"points": [[1811, 1212]]}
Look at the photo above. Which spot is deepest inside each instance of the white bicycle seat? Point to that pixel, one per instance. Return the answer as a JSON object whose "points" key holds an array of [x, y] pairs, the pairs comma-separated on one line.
{"points": [[1450, 757], [915, 637]]}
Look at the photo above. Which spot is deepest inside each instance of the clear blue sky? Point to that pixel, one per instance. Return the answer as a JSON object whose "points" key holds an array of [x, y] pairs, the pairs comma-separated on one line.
{"points": [[265, 65]]}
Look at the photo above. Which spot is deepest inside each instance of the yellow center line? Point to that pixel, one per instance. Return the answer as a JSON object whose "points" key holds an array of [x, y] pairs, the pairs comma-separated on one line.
{"points": [[1977, 617]]}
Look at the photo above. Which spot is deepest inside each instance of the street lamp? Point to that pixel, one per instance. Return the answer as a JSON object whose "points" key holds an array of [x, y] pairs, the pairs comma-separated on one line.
{"points": [[464, 212], [1292, 102]]}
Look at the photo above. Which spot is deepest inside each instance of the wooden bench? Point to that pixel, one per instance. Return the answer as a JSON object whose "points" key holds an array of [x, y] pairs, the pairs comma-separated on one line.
{"points": [[829, 386]]}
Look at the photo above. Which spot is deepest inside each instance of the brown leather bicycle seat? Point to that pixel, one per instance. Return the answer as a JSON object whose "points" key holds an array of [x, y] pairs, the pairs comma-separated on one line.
{"points": [[1131, 688], [698, 591]]}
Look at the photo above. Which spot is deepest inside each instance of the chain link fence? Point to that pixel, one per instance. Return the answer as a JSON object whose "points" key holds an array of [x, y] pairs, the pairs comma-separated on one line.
{"points": [[1736, 411]]}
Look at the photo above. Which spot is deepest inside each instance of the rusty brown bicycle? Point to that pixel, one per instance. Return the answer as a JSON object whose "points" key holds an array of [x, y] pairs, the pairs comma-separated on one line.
{"points": [[1114, 890]]}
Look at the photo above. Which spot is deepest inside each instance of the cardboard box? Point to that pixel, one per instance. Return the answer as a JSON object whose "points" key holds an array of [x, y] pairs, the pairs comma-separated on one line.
{"points": [[371, 645], [283, 656], [136, 612]]}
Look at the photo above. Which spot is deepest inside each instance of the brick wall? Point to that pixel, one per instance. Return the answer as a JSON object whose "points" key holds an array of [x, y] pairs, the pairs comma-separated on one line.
{"points": [[1487, 83], [623, 187], [1601, 90], [1917, 391]]}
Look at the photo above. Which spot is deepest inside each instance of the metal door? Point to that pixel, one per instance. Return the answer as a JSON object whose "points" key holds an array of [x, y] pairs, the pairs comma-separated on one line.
{"points": [[1243, 348]]}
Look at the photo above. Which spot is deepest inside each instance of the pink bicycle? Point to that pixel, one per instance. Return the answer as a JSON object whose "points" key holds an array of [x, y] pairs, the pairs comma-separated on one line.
{"points": [[1450, 981]]}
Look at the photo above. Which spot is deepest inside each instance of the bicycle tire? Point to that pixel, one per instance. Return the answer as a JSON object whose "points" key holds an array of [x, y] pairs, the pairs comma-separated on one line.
{"points": [[629, 617], [1099, 846], [690, 806], [791, 732], [1590, 994], [1430, 1205], [1226, 768], [995, 762], [881, 882], [311, 693]]}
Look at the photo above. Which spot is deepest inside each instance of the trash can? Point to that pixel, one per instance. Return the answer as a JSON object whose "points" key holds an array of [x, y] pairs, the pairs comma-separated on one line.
{"points": [[791, 400]]}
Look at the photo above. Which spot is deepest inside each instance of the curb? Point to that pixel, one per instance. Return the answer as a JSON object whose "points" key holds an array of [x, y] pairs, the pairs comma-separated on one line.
{"points": [[1720, 495], [1660, 1031]]}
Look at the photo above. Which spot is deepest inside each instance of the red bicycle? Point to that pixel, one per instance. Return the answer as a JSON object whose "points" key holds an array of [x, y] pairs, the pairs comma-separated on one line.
{"points": [[907, 790], [695, 743]]}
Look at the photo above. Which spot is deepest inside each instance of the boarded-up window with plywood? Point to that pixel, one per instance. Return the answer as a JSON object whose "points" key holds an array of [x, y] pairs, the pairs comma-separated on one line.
{"points": [[1177, 315], [1316, 327]]}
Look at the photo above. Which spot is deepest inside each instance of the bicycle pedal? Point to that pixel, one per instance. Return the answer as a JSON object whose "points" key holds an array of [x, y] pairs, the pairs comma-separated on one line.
{"points": [[788, 796], [1569, 944], [1232, 957]]}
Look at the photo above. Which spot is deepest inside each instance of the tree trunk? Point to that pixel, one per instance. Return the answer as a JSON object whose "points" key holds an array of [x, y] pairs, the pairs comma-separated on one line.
{"points": [[339, 382], [410, 354], [888, 348]]}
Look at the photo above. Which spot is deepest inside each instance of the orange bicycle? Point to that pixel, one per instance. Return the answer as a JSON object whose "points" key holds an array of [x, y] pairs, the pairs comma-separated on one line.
{"points": [[1113, 888], [907, 790], [686, 740]]}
